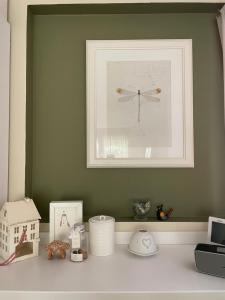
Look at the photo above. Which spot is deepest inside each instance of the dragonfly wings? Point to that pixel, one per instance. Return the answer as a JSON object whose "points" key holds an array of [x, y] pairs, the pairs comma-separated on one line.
{"points": [[149, 95], [151, 92], [126, 98], [151, 99], [124, 92], [127, 95]]}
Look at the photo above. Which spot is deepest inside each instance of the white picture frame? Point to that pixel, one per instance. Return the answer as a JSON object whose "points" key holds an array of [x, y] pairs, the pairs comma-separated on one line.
{"points": [[63, 215], [216, 221], [139, 103]]}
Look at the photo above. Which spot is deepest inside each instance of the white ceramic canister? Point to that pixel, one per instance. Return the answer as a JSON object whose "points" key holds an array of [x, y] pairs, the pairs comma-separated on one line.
{"points": [[102, 235]]}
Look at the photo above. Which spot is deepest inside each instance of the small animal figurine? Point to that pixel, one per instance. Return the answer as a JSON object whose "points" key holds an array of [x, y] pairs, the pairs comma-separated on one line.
{"points": [[57, 248], [163, 215]]}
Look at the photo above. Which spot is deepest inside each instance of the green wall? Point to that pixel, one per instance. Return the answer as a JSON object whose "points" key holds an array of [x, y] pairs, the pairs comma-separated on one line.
{"points": [[56, 112]]}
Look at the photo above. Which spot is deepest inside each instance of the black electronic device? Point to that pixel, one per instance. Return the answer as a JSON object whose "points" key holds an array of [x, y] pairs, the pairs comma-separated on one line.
{"points": [[210, 259]]}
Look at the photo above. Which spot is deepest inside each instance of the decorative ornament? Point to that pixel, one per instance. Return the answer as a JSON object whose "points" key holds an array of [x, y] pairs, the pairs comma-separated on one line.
{"points": [[163, 215], [57, 248], [141, 209], [19, 230]]}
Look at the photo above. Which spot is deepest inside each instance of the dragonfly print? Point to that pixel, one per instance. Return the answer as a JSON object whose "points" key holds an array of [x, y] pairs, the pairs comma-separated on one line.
{"points": [[148, 95]]}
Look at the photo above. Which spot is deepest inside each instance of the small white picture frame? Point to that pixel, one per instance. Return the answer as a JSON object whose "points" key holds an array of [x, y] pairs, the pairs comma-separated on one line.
{"points": [[63, 215], [216, 231]]}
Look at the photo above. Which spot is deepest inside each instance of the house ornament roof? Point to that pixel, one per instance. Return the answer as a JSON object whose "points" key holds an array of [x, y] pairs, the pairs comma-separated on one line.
{"points": [[22, 211]]}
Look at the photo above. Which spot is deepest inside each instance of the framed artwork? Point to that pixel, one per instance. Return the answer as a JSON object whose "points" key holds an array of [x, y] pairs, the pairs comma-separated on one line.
{"points": [[139, 103], [63, 215]]}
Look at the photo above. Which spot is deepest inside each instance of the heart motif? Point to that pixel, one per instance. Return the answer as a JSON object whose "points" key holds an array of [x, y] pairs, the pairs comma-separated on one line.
{"points": [[146, 243]]}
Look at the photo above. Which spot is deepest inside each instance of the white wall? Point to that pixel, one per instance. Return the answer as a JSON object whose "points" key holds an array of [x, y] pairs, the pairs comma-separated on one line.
{"points": [[4, 99], [3, 8]]}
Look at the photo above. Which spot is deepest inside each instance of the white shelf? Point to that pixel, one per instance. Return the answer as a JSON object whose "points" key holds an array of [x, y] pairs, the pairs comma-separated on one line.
{"points": [[167, 275]]}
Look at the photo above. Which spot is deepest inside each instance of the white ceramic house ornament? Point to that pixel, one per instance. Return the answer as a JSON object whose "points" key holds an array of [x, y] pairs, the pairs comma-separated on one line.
{"points": [[15, 219]]}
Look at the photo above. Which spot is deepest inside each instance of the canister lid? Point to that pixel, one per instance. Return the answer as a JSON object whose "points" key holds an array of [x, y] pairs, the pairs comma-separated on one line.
{"points": [[101, 219]]}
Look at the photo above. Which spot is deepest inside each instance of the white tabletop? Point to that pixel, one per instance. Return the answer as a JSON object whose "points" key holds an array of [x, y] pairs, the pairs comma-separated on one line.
{"points": [[172, 270]]}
